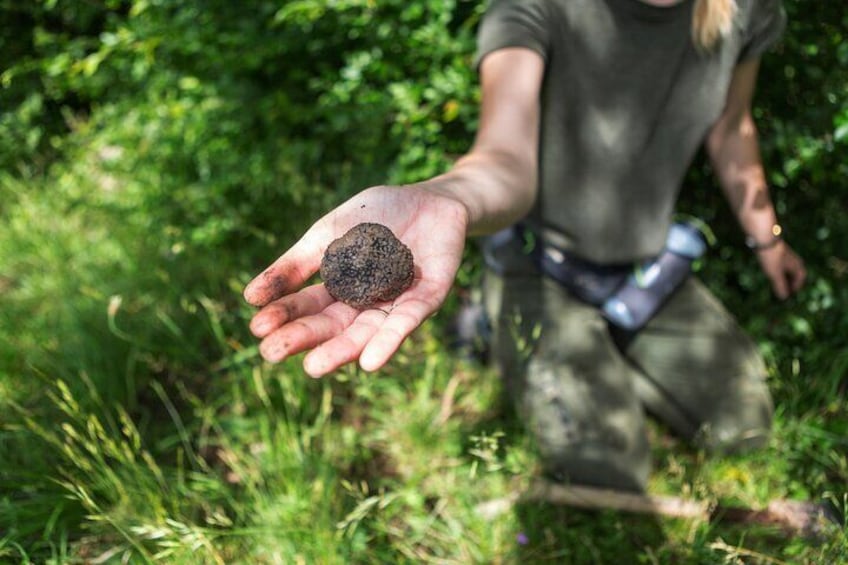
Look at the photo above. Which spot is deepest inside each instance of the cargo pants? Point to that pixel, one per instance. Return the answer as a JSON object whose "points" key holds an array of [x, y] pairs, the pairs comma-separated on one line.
{"points": [[584, 393]]}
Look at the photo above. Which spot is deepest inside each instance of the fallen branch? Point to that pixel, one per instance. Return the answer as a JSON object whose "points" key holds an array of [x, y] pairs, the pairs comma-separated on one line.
{"points": [[793, 517]]}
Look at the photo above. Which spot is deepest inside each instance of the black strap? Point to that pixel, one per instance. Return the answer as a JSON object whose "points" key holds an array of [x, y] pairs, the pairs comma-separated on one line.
{"points": [[590, 282]]}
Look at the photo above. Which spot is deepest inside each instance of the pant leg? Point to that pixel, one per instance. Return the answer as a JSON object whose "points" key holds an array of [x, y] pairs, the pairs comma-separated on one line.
{"points": [[572, 387], [701, 374]]}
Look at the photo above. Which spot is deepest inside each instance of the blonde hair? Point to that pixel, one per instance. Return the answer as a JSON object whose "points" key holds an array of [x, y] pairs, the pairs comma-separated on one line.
{"points": [[712, 20]]}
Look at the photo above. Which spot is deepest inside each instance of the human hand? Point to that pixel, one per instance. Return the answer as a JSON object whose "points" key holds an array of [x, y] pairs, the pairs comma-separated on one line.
{"points": [[292, 319], [784, 269]]}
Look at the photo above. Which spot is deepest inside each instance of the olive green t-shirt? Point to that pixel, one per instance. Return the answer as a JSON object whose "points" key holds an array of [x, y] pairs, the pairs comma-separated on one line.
{"points": [[626, 102]]}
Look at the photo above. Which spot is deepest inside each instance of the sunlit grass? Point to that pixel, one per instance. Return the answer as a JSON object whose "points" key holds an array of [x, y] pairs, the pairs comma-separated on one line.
{"points": [[138, 424]]}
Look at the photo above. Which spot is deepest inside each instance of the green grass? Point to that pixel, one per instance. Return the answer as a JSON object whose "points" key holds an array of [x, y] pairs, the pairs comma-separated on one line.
{"points": [[138, 424]]}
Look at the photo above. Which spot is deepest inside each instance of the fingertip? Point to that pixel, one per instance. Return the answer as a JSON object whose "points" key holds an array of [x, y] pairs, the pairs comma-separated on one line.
{"points": [[314, 368], [370, 361], [271, 351], [259, 326], [250, 294], [263, 289]]}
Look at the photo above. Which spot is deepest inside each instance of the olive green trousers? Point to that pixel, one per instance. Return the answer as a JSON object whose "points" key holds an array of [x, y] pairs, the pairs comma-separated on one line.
{"points": [[584, 392]]}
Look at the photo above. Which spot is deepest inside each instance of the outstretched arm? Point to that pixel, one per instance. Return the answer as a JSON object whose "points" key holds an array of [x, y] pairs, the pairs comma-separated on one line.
{"points": [[492, 186], [734, 151]]}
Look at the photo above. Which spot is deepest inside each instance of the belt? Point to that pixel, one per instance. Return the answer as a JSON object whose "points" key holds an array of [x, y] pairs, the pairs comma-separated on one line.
{"points": [[590, 282], [628, 294]]}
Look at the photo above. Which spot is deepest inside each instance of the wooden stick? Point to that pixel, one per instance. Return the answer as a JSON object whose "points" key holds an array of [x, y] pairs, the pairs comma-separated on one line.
{"points": [[589, 497], [794, 517]]}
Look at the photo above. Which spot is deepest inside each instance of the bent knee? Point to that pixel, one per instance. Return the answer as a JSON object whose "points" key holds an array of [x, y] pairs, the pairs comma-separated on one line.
{"points": [[739, 426]]}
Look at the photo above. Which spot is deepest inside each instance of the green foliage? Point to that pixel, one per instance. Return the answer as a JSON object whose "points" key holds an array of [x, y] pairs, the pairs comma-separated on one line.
{"points": [[154, 154]]}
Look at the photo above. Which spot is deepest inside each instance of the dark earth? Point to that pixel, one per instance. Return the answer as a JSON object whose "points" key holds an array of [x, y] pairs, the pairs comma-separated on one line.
{"points": [[366, 266]]}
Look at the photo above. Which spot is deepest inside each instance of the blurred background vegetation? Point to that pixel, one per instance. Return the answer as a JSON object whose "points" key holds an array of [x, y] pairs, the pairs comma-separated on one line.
{"points": [[155, 154]]}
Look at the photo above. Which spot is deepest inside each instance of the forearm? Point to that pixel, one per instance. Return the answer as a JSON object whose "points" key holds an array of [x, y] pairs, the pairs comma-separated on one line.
{"points": [[734, 151]]}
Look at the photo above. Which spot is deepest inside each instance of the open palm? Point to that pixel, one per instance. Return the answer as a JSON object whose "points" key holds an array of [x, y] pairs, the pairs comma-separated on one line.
{"points": [[293, 319]]}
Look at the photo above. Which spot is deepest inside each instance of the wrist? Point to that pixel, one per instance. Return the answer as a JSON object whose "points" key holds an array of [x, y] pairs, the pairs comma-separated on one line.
{"points": [[445, 187], [773, 239]]}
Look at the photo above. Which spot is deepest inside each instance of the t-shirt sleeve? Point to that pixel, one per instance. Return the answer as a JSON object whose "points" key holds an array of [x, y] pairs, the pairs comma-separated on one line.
{"points": [[513, 23], [766, 24]]}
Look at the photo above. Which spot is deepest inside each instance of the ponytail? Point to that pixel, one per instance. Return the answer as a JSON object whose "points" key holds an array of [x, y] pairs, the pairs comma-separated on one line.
{"points": [[712, 20]]}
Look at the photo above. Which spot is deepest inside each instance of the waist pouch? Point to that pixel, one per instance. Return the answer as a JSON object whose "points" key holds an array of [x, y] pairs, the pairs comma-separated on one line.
{"points": [[628, 295]]}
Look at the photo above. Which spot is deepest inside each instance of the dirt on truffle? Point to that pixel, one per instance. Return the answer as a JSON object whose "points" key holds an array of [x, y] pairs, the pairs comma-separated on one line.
{"points": [[366, 266]]}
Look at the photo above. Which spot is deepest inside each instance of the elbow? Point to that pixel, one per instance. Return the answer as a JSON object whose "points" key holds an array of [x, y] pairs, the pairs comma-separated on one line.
{"points": [[523, 174], [713, 142], [732, 126], [717, 139], [520, 181], [503, 184]]}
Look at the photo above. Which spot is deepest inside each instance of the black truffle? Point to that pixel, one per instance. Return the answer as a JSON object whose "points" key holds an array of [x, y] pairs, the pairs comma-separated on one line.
{"points": [[367, 265]]}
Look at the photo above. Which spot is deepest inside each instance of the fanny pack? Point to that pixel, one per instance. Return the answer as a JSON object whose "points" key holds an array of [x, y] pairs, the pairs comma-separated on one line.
{"points": [[628, 295]]}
